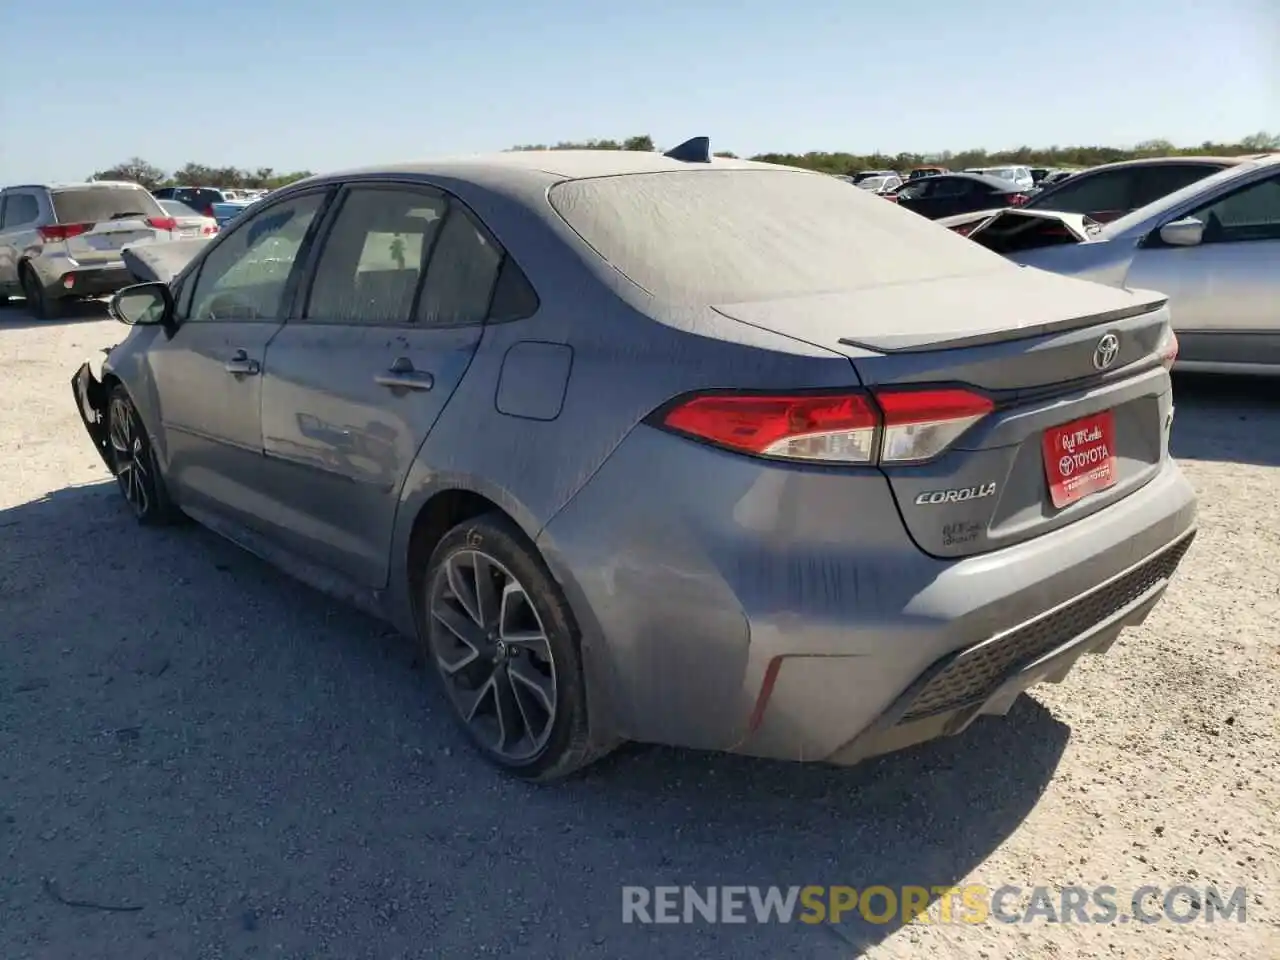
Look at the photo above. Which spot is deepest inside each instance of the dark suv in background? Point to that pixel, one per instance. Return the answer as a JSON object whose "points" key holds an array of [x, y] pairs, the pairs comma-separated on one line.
{"points": [[200, 199]]}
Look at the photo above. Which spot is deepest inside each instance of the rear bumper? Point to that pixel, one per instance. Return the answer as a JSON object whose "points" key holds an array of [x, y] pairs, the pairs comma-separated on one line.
{"points": [[784, 613], [64, 277]]}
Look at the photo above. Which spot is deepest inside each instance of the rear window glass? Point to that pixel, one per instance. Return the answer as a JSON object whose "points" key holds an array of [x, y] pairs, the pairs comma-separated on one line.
{"points": [[101, 204], [729, 236]]}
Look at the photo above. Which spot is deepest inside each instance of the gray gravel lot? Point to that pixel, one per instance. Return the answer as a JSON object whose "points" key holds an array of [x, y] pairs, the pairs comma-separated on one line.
{"points": [[257, 770]]}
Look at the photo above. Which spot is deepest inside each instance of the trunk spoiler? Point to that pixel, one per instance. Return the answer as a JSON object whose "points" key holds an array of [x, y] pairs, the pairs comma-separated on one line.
{"points": [[161, 262]]}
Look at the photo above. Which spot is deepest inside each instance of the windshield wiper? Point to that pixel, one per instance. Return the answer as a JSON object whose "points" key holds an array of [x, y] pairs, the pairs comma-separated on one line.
{"points": [[128, 213]]}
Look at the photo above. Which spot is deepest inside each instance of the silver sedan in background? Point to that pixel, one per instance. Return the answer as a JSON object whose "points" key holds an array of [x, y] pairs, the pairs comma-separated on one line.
{"points": [[1212, 247]]}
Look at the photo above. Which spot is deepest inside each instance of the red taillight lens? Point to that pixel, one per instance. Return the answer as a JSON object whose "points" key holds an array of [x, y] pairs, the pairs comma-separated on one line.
{"points": [[1018, 199], [63, 231], [162, 223], [209, 229], [822, 427], [920, 424], [893, 426]]}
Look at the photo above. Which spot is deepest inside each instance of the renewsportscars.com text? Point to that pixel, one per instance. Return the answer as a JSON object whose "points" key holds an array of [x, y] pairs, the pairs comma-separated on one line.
{"points": [[969, 904]]}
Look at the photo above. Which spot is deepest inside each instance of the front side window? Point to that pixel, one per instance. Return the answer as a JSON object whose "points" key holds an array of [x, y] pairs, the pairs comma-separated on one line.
{"points": [[1249, 214], [372, 260], [1152, 184], [245, 275]]}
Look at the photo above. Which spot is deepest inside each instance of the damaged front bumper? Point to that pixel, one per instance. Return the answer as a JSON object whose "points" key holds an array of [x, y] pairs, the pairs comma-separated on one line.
{"points": [[91, 402]]}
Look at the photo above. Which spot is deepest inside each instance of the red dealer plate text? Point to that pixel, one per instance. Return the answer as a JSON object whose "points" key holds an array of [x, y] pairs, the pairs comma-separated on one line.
{"points": [[1080, 457]]}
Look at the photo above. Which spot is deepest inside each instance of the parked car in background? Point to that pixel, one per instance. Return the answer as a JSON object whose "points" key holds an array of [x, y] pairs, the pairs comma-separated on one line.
{"points": [[882, 185], [1038, 174], [224, 213], [1108, 192], [187, 222], [200, 199], [1017, 175], [917, 172], [951, 194], [1055, 177], [861, 175], [537, 408], [61, 242], [1212, 247]]}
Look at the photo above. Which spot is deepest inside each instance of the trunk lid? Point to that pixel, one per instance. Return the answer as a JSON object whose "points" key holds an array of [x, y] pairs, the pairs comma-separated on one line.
{"points": [[100, 219], [1027, 340]]}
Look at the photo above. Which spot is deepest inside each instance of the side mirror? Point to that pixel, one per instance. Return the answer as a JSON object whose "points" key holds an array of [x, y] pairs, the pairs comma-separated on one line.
{"points": [[1187, 232], [144, 304]]}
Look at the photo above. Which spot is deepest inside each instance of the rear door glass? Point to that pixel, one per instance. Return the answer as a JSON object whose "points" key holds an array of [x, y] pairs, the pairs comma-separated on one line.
{"points": [[1099, 192], [103, 204], [1151, 184]]}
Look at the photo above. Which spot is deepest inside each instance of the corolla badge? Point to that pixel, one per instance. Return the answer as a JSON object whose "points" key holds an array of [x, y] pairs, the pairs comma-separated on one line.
{"points": [[1105, 353], [956, 495]]}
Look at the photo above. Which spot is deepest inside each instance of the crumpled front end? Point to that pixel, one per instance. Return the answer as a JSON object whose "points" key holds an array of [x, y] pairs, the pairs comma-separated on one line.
{"points": [[91, 402]]}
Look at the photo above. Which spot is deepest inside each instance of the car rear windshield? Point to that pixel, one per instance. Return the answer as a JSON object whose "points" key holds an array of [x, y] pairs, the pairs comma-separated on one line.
{"points": [[726, 236], [101, 204]]}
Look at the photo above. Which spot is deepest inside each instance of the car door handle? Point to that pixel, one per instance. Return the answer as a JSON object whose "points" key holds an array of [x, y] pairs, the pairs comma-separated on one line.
{"points": [[241, 365], [401, 375]]}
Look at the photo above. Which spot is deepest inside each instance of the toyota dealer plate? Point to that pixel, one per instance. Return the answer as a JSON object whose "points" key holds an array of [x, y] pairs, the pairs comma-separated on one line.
{"points": [[1079, 457]]}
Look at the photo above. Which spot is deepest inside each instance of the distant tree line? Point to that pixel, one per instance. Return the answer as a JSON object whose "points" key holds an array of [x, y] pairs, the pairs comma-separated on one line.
{"points": [[1055, 156], [150, 176], [197, 174]]}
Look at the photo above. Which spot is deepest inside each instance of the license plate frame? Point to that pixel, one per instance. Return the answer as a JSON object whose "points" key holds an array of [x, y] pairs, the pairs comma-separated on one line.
{"points": [[1080, 458]]}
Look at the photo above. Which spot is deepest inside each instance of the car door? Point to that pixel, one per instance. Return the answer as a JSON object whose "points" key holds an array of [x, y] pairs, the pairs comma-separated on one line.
{"points": [[208, 375], [380, 339], [949, 196], [1224, 292]]}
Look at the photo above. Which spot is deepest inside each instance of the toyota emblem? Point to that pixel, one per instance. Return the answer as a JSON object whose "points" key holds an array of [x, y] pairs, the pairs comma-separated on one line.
{"points": [[1105, 353]]}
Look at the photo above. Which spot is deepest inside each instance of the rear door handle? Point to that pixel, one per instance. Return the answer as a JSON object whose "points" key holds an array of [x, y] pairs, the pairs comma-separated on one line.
{"points": [[242, 366], [401, 375]]}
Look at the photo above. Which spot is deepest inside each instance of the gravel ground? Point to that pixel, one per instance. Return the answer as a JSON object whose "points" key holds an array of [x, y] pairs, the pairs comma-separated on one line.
{"points": [[255, 771]]}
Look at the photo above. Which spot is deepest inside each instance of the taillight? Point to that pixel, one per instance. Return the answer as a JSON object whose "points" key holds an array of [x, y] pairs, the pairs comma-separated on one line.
{"points": [[888, 426], [1018, 199], [162, 223], [1169, 351], [63, 231], [209, 229], [920, 424]]}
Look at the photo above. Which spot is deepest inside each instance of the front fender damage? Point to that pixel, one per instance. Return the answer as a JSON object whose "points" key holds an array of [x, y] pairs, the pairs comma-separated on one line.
{"points": [[91, 401]]}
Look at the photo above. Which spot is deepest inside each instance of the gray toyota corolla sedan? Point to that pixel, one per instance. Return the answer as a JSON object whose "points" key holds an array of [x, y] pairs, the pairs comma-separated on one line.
{"points": [[662, 447]]}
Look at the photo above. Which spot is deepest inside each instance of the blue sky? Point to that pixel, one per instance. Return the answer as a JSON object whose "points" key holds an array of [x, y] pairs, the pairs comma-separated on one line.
{"points": [[323, 84]]}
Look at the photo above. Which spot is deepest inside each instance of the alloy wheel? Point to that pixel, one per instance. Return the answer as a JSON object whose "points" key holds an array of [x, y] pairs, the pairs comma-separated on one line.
{"points": [[492, 650], [128, 451]]}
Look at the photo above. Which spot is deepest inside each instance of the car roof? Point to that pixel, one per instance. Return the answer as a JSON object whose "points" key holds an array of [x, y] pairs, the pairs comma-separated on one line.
{"points": [[529, 167], [1163, 161], [72, 185]]}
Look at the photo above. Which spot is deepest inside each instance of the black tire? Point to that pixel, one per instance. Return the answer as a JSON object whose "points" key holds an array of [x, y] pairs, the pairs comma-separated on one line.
{"points": [[39, 302], [134, 463], [568, 743]]}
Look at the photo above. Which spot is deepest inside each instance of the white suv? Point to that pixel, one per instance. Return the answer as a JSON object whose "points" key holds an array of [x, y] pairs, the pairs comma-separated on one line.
{"points": [[62, 241]]}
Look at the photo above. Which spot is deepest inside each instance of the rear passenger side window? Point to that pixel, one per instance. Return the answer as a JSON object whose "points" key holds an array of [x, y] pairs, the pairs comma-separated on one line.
{"points": [[372, 260], [1150, 185], [1102, 192], [20, 209], [461, 274]]}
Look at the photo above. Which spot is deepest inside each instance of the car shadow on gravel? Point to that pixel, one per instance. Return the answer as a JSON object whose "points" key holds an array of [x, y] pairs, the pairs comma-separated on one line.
{"points": [[16, 316], [1226, 419], [257, 768]]}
